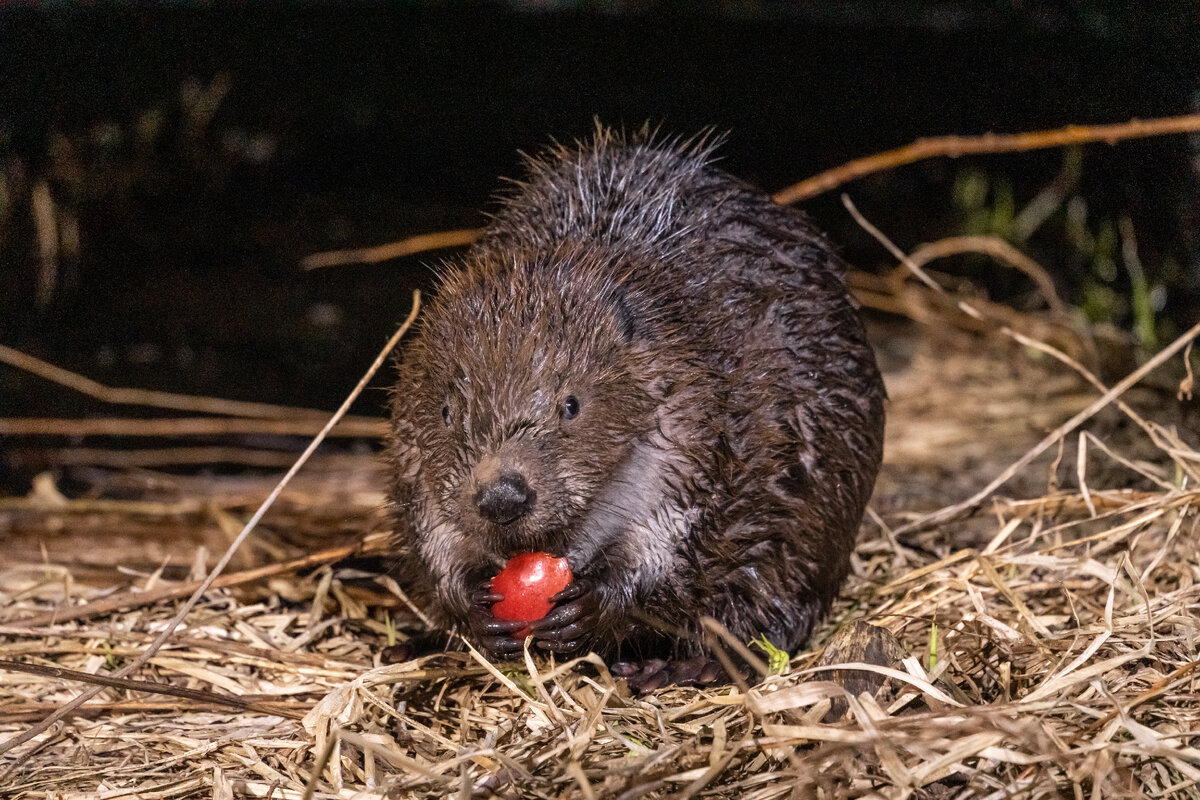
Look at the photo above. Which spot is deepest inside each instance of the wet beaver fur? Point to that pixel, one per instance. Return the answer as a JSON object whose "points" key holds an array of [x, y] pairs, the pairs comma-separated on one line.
{"points": [[646, 366]]}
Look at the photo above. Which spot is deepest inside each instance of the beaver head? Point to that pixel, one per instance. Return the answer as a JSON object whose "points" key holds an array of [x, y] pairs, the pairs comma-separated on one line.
{"points": [[526, 387]]}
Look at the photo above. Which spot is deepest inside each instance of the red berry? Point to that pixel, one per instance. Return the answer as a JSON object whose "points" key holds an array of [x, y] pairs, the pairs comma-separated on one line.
{"points": [[528, 581]]}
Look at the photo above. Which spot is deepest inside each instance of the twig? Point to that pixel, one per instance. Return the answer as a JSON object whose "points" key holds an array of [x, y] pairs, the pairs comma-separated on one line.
{"points": [[185, 426], [34, 712], [1091, 378], [955, 146], [166, 456], [1001, 251], [200, 696], [152, 398], [910, 300], [146, 597], [1187, 385], [98, 505], [405, 247], [166, 633], [1159, 688]]}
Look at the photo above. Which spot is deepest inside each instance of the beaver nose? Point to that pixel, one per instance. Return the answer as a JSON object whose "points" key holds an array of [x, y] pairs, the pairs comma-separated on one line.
{"points": [[505, 499]]}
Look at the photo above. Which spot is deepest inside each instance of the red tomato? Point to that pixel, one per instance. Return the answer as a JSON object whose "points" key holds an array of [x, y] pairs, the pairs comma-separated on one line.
{"points": [[528, 581]]}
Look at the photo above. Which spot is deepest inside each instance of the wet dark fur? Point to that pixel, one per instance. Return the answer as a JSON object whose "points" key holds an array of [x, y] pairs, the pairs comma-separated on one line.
{"points": [[730, 419]]}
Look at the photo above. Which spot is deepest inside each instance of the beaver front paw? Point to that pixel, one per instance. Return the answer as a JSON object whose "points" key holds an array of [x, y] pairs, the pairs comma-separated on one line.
{"points": [[572, 622], [655, 673], [495, 636]]}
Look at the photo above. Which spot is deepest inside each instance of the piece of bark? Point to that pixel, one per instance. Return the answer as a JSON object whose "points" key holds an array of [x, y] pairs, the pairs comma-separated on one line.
{"points": [[869, 644]]}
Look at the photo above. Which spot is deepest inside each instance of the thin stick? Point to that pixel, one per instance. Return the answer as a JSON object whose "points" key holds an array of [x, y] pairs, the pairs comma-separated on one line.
{"points": [[139, 598], [916, 303], [185, 426], [1159, 688], [959, 510], [955, 146], [405, 247], [161, 639], [165, 456], [1001, 251], [150, 397], [1188, 383], [1085, 373], [32, 713], [198, 695]]}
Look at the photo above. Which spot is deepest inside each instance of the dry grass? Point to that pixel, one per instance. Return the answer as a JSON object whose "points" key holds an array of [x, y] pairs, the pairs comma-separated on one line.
{"points": [[1052, 636]]}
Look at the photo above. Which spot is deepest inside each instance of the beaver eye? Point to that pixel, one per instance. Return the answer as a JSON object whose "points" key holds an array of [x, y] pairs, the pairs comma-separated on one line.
{"points": [[446, 414], [570, 408]]}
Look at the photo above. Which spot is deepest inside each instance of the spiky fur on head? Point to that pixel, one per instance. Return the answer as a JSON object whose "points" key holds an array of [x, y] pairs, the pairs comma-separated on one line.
{"points": [[598, 190]]}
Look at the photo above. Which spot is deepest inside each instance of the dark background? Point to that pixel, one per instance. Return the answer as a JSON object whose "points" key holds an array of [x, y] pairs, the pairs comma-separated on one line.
{"points": [[356, 124]]}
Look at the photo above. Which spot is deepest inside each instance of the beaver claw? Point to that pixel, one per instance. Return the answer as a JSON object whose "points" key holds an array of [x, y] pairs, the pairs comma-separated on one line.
{"points": [[496, 636], [571, 622], [655, 673], [564, 630]]}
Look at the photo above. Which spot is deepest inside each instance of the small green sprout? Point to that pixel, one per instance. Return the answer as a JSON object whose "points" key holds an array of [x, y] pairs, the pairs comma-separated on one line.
{"points": [[777, 660], [389, 627], [516, 673]]}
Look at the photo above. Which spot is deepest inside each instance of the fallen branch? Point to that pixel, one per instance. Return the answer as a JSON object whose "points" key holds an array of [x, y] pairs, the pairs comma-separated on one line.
{"points": [[186, 426], [153, 398], [157, 457], [955, 146], [405, 247]]}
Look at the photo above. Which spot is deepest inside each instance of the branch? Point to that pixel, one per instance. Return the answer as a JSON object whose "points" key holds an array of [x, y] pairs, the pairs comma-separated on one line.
{"points": [[156, 399], [955, 146], [405, 247], [367, 427]]}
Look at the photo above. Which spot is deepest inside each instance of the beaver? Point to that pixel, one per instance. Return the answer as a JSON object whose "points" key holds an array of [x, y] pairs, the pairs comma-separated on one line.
{"points": [[647, 367]]}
